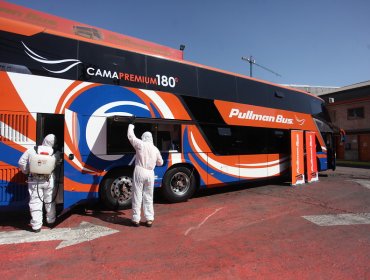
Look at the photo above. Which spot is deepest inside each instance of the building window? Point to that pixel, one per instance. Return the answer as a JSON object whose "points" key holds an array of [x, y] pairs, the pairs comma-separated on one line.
{"points": [[355, 113]]}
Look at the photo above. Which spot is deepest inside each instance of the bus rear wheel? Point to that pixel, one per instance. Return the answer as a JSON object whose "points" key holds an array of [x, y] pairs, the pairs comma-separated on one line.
{"points": [[179, 184], [116, 190]]}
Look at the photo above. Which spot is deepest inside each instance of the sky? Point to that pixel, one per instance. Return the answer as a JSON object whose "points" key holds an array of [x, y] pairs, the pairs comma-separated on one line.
{"points": [[315, 42]]}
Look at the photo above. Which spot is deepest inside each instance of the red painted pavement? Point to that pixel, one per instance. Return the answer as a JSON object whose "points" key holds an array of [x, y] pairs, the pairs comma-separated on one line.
{"points": [[245, 233]]}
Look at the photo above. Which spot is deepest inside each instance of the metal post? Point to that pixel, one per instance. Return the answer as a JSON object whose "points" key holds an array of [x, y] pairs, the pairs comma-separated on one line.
{"points": [[250, 66], [252, 61]]}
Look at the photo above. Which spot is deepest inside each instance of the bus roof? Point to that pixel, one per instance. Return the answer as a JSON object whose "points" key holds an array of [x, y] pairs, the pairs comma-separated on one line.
{"points": [[29, 22], [68, 27]]}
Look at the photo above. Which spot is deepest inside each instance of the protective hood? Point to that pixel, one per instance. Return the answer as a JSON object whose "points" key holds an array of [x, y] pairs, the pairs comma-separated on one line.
{"points": [[50, 140], [147, 137]]}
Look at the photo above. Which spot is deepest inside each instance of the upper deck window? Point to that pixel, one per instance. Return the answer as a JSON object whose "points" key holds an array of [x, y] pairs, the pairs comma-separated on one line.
{"points": [[215, 85]]}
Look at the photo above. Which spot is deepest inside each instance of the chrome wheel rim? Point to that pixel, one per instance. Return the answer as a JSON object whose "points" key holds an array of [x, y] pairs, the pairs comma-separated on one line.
{"points": [[180, 183], [121, 189]]}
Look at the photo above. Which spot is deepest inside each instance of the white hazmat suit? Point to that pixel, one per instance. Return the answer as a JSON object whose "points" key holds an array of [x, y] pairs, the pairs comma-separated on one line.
{"points": [[147, 157], [40, 187]]}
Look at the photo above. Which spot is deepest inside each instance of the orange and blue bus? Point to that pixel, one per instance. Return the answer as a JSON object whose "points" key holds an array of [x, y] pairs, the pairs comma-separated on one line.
{"points": [[83, 84]]}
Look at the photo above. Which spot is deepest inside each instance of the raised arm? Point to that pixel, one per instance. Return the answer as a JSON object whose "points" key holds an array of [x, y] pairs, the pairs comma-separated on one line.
{"points": [[135, 142]]}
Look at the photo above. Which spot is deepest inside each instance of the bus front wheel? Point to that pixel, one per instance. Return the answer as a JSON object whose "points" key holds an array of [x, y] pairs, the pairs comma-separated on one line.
{"points": [[179, 184], [116, 190]]}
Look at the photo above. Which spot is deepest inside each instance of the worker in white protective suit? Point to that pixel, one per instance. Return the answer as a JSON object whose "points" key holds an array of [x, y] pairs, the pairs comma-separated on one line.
{"points": [[40, 186], [147, 157]]}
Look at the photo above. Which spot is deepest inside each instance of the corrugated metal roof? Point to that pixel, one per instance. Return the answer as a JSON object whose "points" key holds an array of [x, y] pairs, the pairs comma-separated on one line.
{"points": [[316, 90], [354, 86]]}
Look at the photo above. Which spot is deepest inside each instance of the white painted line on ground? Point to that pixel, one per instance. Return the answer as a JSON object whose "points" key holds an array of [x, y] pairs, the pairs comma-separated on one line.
{"points": [[70, 236], [198, 226], [362, 182], [340, 219]]}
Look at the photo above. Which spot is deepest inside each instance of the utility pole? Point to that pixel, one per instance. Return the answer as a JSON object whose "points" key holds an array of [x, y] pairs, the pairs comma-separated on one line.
{"points": [[252, 61]]}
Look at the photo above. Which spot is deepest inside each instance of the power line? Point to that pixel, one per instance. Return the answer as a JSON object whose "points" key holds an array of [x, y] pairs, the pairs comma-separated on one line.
{"points": [[252, 61]]}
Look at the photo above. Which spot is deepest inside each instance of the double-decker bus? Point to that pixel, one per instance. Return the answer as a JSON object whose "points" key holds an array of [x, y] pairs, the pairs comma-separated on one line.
{"points": [[212, 127]]}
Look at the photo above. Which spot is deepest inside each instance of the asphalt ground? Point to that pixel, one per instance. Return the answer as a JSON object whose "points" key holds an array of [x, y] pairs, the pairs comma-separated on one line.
{"points": [[259, 231]]}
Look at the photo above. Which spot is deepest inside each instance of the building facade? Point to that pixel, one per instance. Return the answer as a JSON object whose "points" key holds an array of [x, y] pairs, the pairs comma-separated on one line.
{"points": [[349, 109]]}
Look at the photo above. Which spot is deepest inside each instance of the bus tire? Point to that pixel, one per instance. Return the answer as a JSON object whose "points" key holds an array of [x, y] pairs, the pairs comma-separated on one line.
{"points": [[116, 190], [179, 184]]}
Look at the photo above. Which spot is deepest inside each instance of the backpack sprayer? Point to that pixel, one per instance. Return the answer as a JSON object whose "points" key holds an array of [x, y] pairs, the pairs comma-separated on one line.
{"points": [[41, 167], [42, 164]]}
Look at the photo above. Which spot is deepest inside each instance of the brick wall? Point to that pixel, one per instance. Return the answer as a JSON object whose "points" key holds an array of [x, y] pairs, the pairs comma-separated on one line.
{"points": [[357, 144], [340, 116]]}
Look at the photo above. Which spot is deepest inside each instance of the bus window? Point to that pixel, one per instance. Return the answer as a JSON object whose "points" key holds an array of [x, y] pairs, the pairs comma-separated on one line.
{"points": [[209, 88], [169, 137], [223, 139], [253, 140], [140, 128], [111, 66], [166, 136], [117, 141], [278, 141], [172, 76], [203, 110]]}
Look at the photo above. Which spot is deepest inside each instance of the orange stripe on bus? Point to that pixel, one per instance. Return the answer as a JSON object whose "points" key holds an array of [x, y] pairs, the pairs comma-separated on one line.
{"points": [[14, 26], [173, 101], [59, 109], [70, 185], [207, 178]]}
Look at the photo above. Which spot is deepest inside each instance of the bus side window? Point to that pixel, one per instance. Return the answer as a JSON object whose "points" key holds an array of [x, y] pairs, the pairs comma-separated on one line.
{"points": [[253, 140], [222, 139], [278, 141], [168, 137]]}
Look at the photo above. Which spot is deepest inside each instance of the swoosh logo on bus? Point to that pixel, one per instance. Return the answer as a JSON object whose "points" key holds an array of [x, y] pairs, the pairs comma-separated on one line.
{"points": [[300, 122], [39, 58]]}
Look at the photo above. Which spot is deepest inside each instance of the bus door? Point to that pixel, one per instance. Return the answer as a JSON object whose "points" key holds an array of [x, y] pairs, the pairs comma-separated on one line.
{"points": [[330, 146], [254, 153], [53, 124], [279, 151]]}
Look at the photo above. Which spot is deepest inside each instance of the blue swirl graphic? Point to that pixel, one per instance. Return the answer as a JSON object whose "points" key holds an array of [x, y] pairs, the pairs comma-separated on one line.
{"points": [[93, 99]]}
